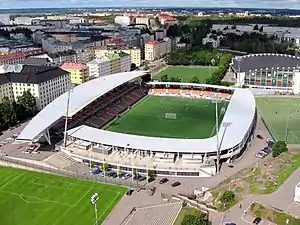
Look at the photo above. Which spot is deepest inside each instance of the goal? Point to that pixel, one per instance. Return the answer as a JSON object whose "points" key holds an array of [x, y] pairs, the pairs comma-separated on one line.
{"points": [[172, 116]]}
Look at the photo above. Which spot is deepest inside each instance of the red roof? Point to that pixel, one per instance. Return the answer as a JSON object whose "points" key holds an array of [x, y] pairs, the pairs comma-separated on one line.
{"points": [[19, 55], [152, 43], [116, 41], [73, 66]]}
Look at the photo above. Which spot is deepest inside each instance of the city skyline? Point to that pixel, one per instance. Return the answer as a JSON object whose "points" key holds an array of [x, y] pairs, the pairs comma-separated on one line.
{"points": [[272, 4]]}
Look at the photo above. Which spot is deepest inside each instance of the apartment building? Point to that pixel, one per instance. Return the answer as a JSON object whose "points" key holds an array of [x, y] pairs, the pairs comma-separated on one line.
{"points": [[19, 57], [78, 72], [157, 49], [98, 67], [142, 20], [109, 64], [122, 20], [134, 52], [45, 83]]}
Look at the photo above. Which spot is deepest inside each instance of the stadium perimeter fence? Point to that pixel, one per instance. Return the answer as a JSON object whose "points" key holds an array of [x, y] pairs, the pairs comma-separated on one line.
{"points": [[20, 164]]}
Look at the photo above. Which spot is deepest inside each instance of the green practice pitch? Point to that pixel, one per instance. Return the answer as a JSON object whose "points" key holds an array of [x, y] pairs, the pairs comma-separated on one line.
{"points": [[171, 117], [282, 116], [41, 199], [186, 73]]}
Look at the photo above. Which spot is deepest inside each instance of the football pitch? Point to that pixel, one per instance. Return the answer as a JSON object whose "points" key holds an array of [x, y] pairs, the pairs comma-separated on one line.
{"points": [[170, 117], [43, 199], [186, 73], [282, 116]]}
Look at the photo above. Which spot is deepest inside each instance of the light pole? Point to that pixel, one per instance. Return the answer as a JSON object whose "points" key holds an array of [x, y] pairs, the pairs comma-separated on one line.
{"points": [[94, 200], [216, 100], [66, 117], [239, 59]]}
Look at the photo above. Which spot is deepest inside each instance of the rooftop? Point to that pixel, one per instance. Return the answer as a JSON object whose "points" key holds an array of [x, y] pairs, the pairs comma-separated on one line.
{"points": [[73, 66], [264, 61], [17, 55]]}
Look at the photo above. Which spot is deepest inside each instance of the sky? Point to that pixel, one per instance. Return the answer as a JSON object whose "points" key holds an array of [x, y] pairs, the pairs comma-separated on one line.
{"points": [[16, 4]]}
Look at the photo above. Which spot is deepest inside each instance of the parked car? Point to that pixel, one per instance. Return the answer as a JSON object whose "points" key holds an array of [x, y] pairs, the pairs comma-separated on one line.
{"points": [[257, 220], [259, 137], [139, 177], [229, 223], [142, 178], [151, 179], [129, 192], [164, 180], [95, 171], [126, 176], [175, 184], [112, 174]]}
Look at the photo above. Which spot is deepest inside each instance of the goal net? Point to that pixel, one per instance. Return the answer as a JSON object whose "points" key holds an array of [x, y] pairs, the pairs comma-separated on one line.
{"points": [[172, 116]]}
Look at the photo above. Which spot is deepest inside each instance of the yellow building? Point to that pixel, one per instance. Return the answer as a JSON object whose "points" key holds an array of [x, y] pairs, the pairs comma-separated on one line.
{"points": [[78, 72], [134, 52], [142, 20]]}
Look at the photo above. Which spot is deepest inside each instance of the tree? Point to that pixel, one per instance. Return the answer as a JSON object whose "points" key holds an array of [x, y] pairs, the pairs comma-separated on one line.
{"points": [[175, 79], [134, 172], [227, 197], [278, 148], [105, 167], [195, 80], [8, 113], [255, 27], [27, 102], [151, 173], [164, 78], [196, 218], [133, 66]]}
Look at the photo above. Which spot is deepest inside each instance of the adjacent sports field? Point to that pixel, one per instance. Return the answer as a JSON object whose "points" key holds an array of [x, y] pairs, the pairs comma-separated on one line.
{"points": [[195, 118], [282, 116], [186, 73], [41, 199]]}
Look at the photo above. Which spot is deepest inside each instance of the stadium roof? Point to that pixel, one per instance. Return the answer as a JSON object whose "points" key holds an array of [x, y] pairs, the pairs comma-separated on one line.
{"points": [[265, 60], [239, 117], [80, 97]]}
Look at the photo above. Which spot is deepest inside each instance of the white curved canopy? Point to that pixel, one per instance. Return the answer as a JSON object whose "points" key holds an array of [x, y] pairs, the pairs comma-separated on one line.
{"points": [[80, 97]]}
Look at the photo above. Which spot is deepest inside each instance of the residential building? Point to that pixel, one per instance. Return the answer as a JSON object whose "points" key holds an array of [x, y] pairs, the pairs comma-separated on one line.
{"points": [[213, 39], [109, 64], [167, 20], [78, 72], [98, 67], [23, 20], [142, 20], [44, 82], [159, 34], [58, 24], [19, 57], [123, 20], [4, 19], [134, 52], [157, 49]]}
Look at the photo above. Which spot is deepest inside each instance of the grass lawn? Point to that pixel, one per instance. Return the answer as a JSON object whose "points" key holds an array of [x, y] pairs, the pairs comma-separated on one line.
{"points": [[37, 198], [185, 211], [186, 73], [280, 114], [272, 215], [195, 118]]}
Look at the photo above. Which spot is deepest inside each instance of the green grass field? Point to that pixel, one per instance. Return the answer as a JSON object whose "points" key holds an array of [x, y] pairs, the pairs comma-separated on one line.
{"points": [[186, 73], [42, 199], [195, 118], [280, 114]]}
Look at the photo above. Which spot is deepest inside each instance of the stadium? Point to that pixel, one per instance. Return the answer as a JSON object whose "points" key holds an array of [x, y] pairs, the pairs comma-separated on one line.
{"points": [[269, 71], [130, 123]]}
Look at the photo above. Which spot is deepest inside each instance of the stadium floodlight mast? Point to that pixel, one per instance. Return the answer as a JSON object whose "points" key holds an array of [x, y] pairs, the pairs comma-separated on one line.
{"points": [[239, 59], [94, 199], [70, 89]]}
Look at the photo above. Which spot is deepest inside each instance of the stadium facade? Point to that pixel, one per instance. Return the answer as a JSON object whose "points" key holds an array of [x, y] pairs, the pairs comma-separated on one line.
{"points": [[95, 103], [268, 71]]}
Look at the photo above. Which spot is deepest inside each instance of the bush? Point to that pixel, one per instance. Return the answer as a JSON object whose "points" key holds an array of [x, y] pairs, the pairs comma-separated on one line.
{"points": [[227, 197], [278, 148], [197, 218]]}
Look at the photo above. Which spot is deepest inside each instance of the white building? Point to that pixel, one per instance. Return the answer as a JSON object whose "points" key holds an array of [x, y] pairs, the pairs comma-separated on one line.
{"points": [[157, 49], [45, 83], [297, 193], [5, 19], [122, 20], [214, 41], [99, 67], [23, 20]]}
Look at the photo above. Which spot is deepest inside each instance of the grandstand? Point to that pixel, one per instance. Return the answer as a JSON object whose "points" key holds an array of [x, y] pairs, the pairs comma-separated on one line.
{"points": [[96, 103]]}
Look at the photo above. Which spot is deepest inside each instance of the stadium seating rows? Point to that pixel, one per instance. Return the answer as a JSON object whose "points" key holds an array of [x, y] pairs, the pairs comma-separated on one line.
{"points": [[190, 93]]}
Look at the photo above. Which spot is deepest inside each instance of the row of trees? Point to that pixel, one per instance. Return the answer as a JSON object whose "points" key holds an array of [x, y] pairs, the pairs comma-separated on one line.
{"points": [[218, 75], [27, 32], [255, 43], [13, 111], [196, 217]]}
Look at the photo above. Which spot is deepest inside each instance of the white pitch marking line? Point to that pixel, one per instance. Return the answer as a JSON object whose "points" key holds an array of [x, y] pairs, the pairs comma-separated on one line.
{"points": [[244, 213], [108, 206], [82, 197], [4, 185], [45, 200]]}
